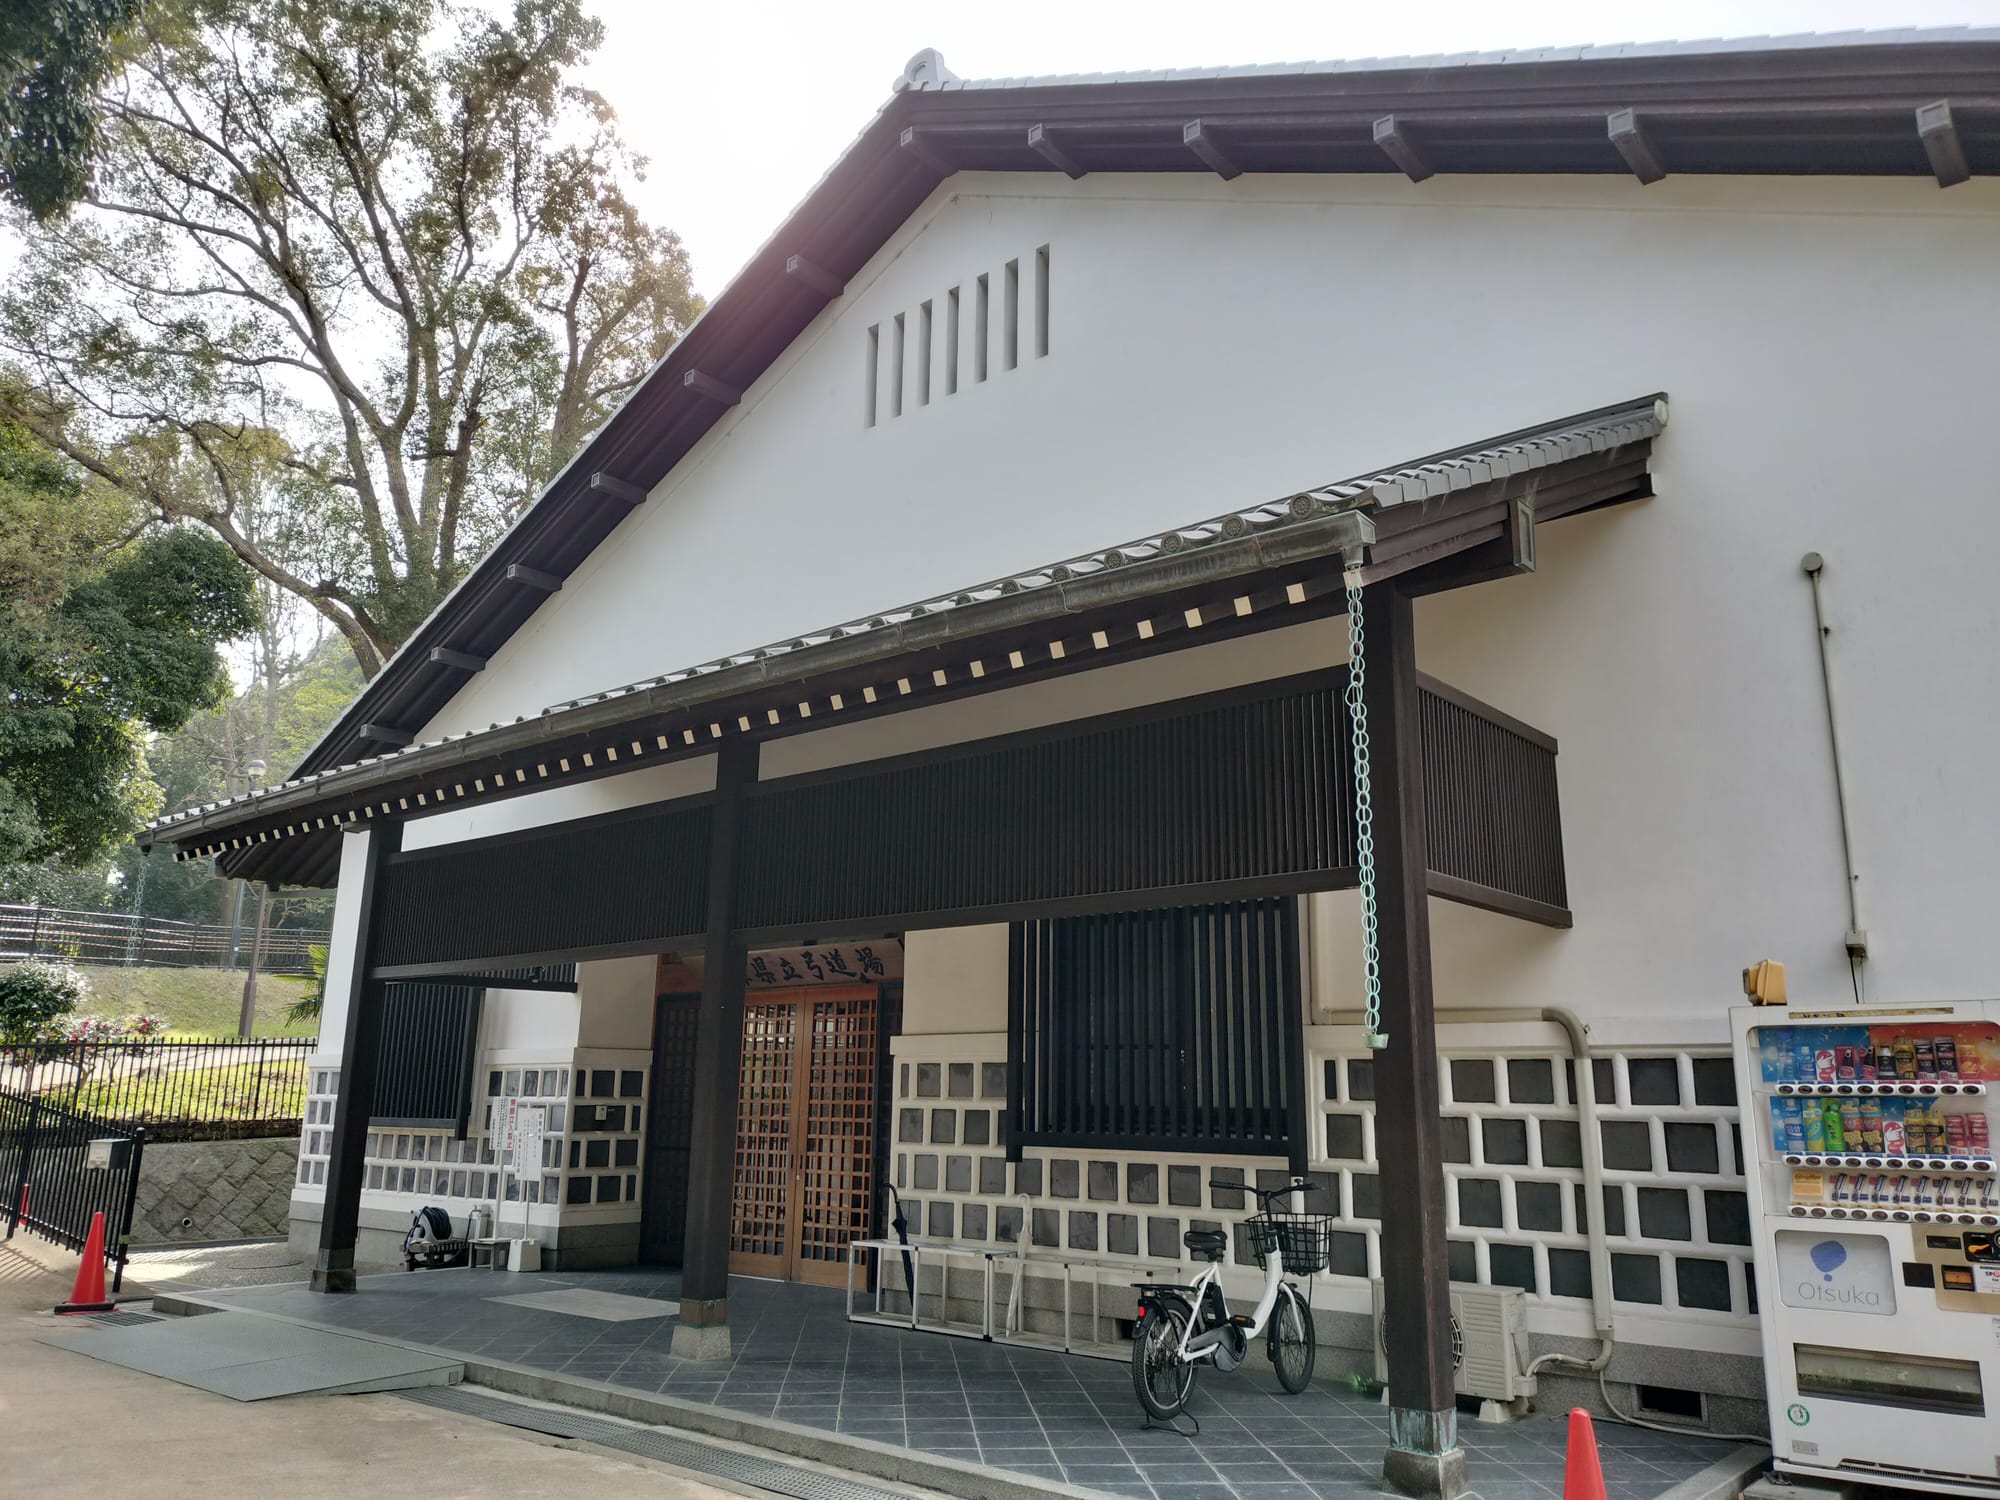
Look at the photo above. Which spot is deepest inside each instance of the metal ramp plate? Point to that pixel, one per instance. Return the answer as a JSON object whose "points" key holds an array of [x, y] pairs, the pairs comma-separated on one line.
{"points": [[249, 1358]]}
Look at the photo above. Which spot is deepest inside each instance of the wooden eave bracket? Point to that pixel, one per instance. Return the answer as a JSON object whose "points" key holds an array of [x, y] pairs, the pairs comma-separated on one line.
{"points": [[385, 734], [1050, 152], [613, 488], [1634, 145], [808, 273], [1200, 139], [1939, 133], [703, 384], [533, 578], [917, 146], [465, 661], [1393, 138]]}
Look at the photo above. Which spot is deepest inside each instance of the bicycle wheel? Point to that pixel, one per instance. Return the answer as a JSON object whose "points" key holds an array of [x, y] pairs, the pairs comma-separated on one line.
{"points": [[1160, 1378], [1293, 1346]]}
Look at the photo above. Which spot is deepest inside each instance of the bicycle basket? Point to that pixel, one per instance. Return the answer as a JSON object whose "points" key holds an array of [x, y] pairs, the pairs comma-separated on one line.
{"points": [[1302, 1241]]}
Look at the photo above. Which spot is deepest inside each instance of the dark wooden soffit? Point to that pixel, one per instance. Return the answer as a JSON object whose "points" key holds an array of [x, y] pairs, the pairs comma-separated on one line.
{"points": [[291, 836], [1901, 109]]}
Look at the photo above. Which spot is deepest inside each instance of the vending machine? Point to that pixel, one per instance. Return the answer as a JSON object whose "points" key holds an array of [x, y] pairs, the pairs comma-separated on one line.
{"points": [[1876, 1210]]}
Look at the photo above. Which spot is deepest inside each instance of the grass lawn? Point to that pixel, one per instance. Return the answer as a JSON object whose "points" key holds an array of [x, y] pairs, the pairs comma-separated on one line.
{"points": [[270, 1090], [195, 1002]]}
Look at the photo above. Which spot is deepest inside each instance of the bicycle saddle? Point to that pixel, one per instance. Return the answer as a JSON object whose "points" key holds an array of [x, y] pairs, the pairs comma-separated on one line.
{"points": [[1206, 1244]]}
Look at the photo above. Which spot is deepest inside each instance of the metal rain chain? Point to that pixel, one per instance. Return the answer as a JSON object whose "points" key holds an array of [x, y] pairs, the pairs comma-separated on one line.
{"points": [[1364, 818]]}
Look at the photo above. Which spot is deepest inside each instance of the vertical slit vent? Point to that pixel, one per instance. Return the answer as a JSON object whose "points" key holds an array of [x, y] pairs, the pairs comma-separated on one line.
{"points": [[951, 342], [924, 355], [896, 371], [1042, 302], [874, 373], [981, 307], [1012, 315]]}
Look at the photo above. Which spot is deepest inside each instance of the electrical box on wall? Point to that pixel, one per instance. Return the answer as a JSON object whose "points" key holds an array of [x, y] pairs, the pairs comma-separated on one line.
{"points": [[1877, 1223]]}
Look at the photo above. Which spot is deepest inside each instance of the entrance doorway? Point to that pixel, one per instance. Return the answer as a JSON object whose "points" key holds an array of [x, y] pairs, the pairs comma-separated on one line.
{"points": [[806, 1140], [805, 1132]]}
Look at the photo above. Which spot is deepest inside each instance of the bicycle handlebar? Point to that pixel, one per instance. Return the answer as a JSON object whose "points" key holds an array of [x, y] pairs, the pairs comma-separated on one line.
{"points": [[1264, 1195]]}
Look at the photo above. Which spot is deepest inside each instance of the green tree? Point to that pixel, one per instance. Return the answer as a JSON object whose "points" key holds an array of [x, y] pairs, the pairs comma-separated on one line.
{"points": [[103, 640], [55, 55], [365, 267]]}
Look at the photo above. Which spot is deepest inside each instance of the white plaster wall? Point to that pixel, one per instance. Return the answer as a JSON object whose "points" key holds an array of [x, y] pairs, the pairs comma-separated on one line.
{"points": [[616, 996], [340, 944], [955, 980], [561, 804], [539, 1021], [1827, 348]]}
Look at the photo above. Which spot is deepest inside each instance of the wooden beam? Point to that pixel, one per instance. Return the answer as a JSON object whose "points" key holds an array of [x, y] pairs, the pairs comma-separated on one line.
{"points": [[1199, 139], [808, 273], [1050, 152], [1393, 137], [361, 1038], [703, 384], [918, 148], [703, 1331], [1424, 1456], [1630, 137], [533, 578], [465, 661], [1939, 133], [386, 734], [613, 488]]}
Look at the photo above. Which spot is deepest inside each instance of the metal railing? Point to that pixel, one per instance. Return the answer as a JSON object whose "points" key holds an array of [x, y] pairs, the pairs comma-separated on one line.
{"points": [[181, 1089], [54, 1189], [116, 937]]}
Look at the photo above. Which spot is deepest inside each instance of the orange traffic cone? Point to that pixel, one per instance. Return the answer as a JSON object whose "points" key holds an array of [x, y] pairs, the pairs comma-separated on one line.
{"points": [[87, 1295], [1583, 1477]]}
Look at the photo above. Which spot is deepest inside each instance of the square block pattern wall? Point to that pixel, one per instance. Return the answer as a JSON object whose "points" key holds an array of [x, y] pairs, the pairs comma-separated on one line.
{"points": [[1676, 1216], [590, 1151]]}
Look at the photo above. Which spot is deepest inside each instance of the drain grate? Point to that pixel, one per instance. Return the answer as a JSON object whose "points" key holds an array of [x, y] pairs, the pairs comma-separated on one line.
{"points": [[651, 1442], [126, 1319]]}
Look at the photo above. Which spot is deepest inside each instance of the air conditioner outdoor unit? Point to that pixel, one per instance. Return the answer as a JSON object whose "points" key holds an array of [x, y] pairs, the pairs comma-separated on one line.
{"points": [[1489, 1344]]}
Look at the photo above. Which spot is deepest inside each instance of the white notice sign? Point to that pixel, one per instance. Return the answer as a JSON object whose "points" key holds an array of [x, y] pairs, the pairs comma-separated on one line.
{"points": [[530, 1124]]}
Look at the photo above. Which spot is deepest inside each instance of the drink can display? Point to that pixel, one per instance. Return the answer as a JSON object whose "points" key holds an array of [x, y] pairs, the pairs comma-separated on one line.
{"points": [[1925, 1191], [1926, 1058], [1812, 1123], [1977, 1140], [1957, 1138], [1778, 1117], [1906, 1059], [1795, 1127], [1830, 1131], [1802, 1062], [1871, 1125], [1844, 1065], [1850, 1124], [1864, 1062], [1899, 1190], [1824, 1065], [1894, 1142], [1882, 1194], [1947, 1057], [1885, 1060], [1843, 1187]]}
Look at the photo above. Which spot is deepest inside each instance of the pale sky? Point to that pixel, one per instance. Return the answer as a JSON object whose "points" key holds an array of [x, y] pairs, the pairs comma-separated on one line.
{"points": [[742, 106]]}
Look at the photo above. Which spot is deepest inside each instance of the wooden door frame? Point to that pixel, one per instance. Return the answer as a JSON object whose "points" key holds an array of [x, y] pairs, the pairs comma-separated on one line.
{"points": [[787, 1266]]}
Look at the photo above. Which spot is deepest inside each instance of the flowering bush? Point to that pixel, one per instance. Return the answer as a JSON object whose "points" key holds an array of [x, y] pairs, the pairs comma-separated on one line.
{"points": [[144, 1024], [35, 999]]}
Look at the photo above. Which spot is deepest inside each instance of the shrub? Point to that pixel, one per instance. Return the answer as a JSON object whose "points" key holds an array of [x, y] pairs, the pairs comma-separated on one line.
{"points": [[35, 999]]}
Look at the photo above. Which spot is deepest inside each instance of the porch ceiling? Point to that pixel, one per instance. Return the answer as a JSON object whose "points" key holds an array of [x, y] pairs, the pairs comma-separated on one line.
{"points": [[1447, 518]]}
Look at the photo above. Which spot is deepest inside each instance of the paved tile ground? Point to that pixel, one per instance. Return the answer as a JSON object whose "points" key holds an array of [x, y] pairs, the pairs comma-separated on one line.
{"points": [[1057, 1417]]}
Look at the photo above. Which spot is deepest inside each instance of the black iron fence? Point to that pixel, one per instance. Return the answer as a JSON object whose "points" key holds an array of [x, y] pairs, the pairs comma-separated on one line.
{"points": [[60, 1168], [113, 937], [179, 1090]]}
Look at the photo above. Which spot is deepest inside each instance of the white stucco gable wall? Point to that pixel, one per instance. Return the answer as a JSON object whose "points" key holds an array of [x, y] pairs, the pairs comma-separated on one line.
{"points": [[1216, 344]]}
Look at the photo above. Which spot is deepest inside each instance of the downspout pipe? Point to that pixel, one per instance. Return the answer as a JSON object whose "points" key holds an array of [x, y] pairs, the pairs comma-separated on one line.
{"points": [[1856, 940], [1592, 1142]]}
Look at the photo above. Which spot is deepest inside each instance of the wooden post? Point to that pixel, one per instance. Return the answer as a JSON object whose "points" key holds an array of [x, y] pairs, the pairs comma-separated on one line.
{"points": [[333, 1270], [703, 1329], [1424, 1457]]}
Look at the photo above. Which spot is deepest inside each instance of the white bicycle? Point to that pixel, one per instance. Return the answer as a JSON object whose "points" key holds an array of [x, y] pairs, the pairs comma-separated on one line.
{"points": [[1184, 1327]]}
